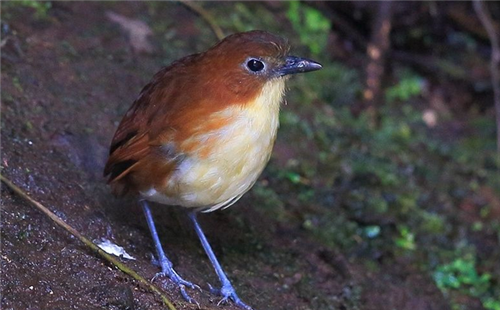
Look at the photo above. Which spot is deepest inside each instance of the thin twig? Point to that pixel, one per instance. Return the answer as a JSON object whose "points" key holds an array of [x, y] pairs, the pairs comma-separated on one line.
{"points": [[206, 16], [485, 18], [377, 52], [87, 242]]}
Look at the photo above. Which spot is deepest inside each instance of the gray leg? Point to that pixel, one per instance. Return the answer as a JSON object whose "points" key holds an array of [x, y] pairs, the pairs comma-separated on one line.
{"points": [[227, 290], [165, 263]]}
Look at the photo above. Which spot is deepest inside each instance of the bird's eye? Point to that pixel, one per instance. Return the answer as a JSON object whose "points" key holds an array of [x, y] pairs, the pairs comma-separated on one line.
{"points": [[255, 65]]}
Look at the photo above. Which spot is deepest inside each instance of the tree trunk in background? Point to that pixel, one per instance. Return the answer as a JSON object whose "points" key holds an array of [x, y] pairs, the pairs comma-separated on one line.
{"points": [[377, 51], [485, 18]]}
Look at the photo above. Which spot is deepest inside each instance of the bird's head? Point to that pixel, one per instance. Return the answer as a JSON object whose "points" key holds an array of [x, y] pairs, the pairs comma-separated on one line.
{"points": [[261, 55], [245, 62]]}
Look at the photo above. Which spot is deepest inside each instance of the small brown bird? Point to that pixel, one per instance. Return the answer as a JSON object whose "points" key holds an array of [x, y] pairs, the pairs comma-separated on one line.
{"points": [[202, 131]]}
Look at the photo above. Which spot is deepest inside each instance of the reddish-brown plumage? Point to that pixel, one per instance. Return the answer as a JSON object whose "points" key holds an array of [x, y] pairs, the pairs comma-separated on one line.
{"points": [[179, 102]]}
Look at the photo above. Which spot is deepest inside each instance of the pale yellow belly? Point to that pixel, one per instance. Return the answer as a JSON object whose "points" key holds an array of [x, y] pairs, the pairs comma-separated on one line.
{"points": [[229, 172]]}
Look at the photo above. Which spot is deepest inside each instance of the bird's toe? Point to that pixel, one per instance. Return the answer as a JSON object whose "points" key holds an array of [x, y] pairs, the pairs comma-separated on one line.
{"points": [[227, 292], [181, 283]]}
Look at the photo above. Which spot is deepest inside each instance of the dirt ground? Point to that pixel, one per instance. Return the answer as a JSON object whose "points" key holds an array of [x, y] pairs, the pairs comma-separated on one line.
{"points": [[66, 81]]}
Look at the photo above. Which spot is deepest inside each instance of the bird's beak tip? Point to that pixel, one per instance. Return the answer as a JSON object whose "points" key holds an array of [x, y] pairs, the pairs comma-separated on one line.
{"points": [[295, 64], [316, 66]]}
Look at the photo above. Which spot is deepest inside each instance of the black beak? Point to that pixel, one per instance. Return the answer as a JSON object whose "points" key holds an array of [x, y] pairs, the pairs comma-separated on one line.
{"points": [[297, 65]]}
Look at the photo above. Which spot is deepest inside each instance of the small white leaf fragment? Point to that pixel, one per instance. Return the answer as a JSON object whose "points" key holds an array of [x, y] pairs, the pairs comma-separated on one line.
{"points": [[113, 249], [137, 30]]}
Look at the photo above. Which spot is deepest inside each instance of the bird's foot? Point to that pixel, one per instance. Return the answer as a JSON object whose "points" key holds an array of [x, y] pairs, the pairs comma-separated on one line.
{"points": [[228, 293], [168, 271]]}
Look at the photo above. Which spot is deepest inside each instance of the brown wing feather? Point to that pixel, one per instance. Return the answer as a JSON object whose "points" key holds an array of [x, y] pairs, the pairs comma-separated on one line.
{"points": [[131, 142], [126, 155], [138, 157]]}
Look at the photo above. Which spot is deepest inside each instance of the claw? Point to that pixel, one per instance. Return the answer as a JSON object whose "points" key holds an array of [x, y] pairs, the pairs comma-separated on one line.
{"points": [[181, 283], [213, 290], [186, 296], [228, 293], [154, 261]]}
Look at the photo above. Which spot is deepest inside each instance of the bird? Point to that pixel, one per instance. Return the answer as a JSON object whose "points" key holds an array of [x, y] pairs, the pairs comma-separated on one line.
{"points": [[200, 134]]}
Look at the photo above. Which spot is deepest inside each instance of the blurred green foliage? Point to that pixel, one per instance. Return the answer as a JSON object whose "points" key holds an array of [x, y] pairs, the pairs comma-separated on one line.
{"points": [[310, 24], [408, 86], [41, 8], [241, 16], [462, 275], [335, 84], [406, 238]]}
